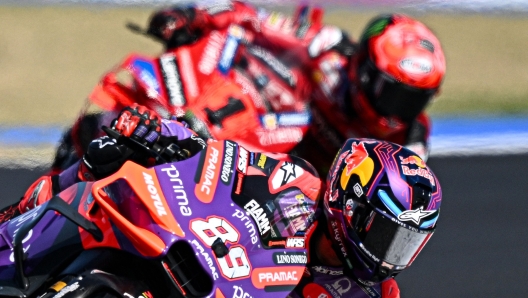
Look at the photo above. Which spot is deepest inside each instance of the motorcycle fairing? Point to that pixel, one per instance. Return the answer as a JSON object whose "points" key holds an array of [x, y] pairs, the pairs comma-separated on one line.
{"points": [[172, 214], [52, 237]]}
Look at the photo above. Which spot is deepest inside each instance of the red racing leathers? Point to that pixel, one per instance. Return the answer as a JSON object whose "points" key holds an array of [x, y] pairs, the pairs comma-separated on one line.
{"points": [[338, 108]]}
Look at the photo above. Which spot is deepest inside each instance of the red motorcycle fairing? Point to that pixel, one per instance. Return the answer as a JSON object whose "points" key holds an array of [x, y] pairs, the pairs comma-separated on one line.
{"points": [[224, 87]]}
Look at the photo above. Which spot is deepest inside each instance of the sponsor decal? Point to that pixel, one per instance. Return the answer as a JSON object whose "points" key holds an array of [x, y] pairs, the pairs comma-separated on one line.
{"points": [[67, 289], [340, 287], [275, 20], [239, 183], [276, 276], [288, 258], [178, 189], [188, 75], [106, 141], [269, 121], [151, 82], [357, 155], [154, 194], [358, 190], [274, 64], [206, 187], [262, 161], [280, 243], [357, 162], [242, 162], [294, 213], [294, 119], [295, 242], [240, 293], [365, 250], [423, 172], [171, 76], [146, 294], [413, 160], [324, 270], [286, 174], [327, 37], [337, 237], [230, 48], [415, 215], [258, 214], [248, 224], [251, 158], [219, 7], [211, 53], [302, 30], [228, 163], [207, 258], [280, 136], [415, 65], [146, 73]]}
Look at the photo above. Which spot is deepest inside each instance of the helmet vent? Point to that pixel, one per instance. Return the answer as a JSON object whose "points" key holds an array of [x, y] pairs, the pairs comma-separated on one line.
{"points": [[427, 45], [421, 196]]}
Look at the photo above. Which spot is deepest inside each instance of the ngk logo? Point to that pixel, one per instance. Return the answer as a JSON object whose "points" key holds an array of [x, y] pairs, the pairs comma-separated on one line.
{"points": [[154, 194]]}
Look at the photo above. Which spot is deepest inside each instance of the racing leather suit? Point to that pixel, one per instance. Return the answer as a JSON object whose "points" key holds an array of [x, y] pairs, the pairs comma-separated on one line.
{"points": [[326, 55], [290, 208]]}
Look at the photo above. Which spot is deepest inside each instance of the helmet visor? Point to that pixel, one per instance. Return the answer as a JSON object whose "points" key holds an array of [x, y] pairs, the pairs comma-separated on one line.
{"points": [[389, 97], [388, 240]]}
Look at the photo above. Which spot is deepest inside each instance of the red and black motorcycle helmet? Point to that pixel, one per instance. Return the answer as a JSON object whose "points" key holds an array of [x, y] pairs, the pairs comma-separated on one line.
{"points": [[398, 69], [381, 207]]}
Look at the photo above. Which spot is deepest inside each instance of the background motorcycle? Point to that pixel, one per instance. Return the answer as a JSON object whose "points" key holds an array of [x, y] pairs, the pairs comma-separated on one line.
{"points": [[223, 86]]}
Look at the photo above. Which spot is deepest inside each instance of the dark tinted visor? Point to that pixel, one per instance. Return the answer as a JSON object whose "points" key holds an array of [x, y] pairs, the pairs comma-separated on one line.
{"points": [[390, 97], [384, 239]]}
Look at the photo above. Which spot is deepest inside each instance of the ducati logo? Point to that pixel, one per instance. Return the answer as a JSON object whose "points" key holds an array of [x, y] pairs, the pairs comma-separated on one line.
{"points": [[415, 215]]}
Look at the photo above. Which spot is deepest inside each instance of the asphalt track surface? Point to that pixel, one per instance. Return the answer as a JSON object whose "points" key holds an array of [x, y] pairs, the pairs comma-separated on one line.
{"points": [[480, 246]]}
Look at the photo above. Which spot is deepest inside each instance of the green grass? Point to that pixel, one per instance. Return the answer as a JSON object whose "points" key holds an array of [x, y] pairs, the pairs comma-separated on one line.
{"points": [[50, 58]]}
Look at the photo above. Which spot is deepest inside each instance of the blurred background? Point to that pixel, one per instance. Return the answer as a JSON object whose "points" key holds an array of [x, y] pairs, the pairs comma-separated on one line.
{"points": [[52, 53]]}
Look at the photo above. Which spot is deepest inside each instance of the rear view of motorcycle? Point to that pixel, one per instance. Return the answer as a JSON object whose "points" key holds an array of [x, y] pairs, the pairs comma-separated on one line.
{"points": [[213, 84], [213, 225]]}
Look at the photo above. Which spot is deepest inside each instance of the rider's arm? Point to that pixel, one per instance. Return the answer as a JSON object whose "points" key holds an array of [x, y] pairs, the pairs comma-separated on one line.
{"points": [[104, 156]]}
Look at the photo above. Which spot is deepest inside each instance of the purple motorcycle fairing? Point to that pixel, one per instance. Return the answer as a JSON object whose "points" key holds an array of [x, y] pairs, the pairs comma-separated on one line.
{"points": [[52, 236], [250, 266], [178, 184]]}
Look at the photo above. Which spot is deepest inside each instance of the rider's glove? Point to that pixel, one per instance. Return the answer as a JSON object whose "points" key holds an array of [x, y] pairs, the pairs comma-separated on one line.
{"points": [[138, 123], [103, 158]]}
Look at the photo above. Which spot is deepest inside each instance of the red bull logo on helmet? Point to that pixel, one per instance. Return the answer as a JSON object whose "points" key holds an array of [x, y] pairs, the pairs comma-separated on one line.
{"points": [[357, 162], [413, 160], [420, 171]]}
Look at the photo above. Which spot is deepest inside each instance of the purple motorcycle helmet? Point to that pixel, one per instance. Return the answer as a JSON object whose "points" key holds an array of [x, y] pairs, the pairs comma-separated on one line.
{"points": [[381, 205]]}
